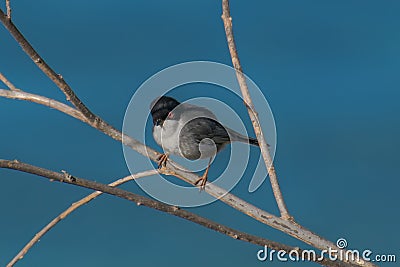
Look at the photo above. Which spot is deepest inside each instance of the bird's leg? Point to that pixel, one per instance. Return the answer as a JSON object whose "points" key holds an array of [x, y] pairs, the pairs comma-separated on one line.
{"points": [[203, 179], [162, 160]]}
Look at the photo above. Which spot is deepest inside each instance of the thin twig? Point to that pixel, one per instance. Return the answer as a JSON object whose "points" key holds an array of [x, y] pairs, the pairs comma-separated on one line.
{"points": [[287, 226], [22, 95], [55, 77], [8, 7], [226, 17], [8, 83], [73, 207], [141, 200]]}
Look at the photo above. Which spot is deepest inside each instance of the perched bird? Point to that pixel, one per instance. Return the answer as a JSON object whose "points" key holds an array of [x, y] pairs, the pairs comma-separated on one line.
{"points": [[190, 131]]}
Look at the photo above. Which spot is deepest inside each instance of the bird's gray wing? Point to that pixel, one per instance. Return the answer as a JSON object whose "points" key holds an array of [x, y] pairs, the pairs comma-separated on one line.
{"points": [[235, 136], [198, 129], [192, 111]]}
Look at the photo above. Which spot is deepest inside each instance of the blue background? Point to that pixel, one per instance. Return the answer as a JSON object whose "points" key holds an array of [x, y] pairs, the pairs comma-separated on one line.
{"points": [[328, 69]]}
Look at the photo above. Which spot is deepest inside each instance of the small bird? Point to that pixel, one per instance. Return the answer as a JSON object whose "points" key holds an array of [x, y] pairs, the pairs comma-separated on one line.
{"points": [[190, 131]]}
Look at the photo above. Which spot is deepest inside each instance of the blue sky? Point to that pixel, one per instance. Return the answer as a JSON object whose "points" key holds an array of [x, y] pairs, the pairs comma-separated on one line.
{"points": [[328, 69]]}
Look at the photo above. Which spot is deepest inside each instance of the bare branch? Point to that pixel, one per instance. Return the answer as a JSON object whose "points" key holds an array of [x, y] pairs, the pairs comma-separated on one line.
{"points": [[226, 17], [21, 95], [8, 83], [56, 78], [141, 200], [154, 204], [73, 207]]}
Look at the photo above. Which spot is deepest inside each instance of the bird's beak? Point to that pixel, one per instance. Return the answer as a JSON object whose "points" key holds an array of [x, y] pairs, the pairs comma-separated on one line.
{"points": [[159, 122]]}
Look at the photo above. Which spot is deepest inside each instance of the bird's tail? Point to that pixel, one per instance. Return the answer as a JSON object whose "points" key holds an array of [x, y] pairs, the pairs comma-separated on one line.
{"points": [[241, 138], [253, 141]]}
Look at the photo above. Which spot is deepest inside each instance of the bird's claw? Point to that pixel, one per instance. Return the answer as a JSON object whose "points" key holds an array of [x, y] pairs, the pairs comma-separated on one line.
{"points": [[201, 182], [203, 179], [162, 160]]}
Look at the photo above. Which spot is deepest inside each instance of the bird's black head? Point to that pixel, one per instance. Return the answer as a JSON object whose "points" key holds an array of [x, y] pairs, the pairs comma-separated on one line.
{"points": [[161, 108]]}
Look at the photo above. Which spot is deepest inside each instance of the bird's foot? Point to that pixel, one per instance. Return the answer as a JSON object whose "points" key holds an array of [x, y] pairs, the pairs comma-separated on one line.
{"points": [[202, 181], [162, 160]]}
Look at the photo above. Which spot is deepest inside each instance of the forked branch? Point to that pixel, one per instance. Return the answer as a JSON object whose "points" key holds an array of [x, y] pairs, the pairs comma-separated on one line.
{"points": [[72, 208], [154, 204], [7, 83]]}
